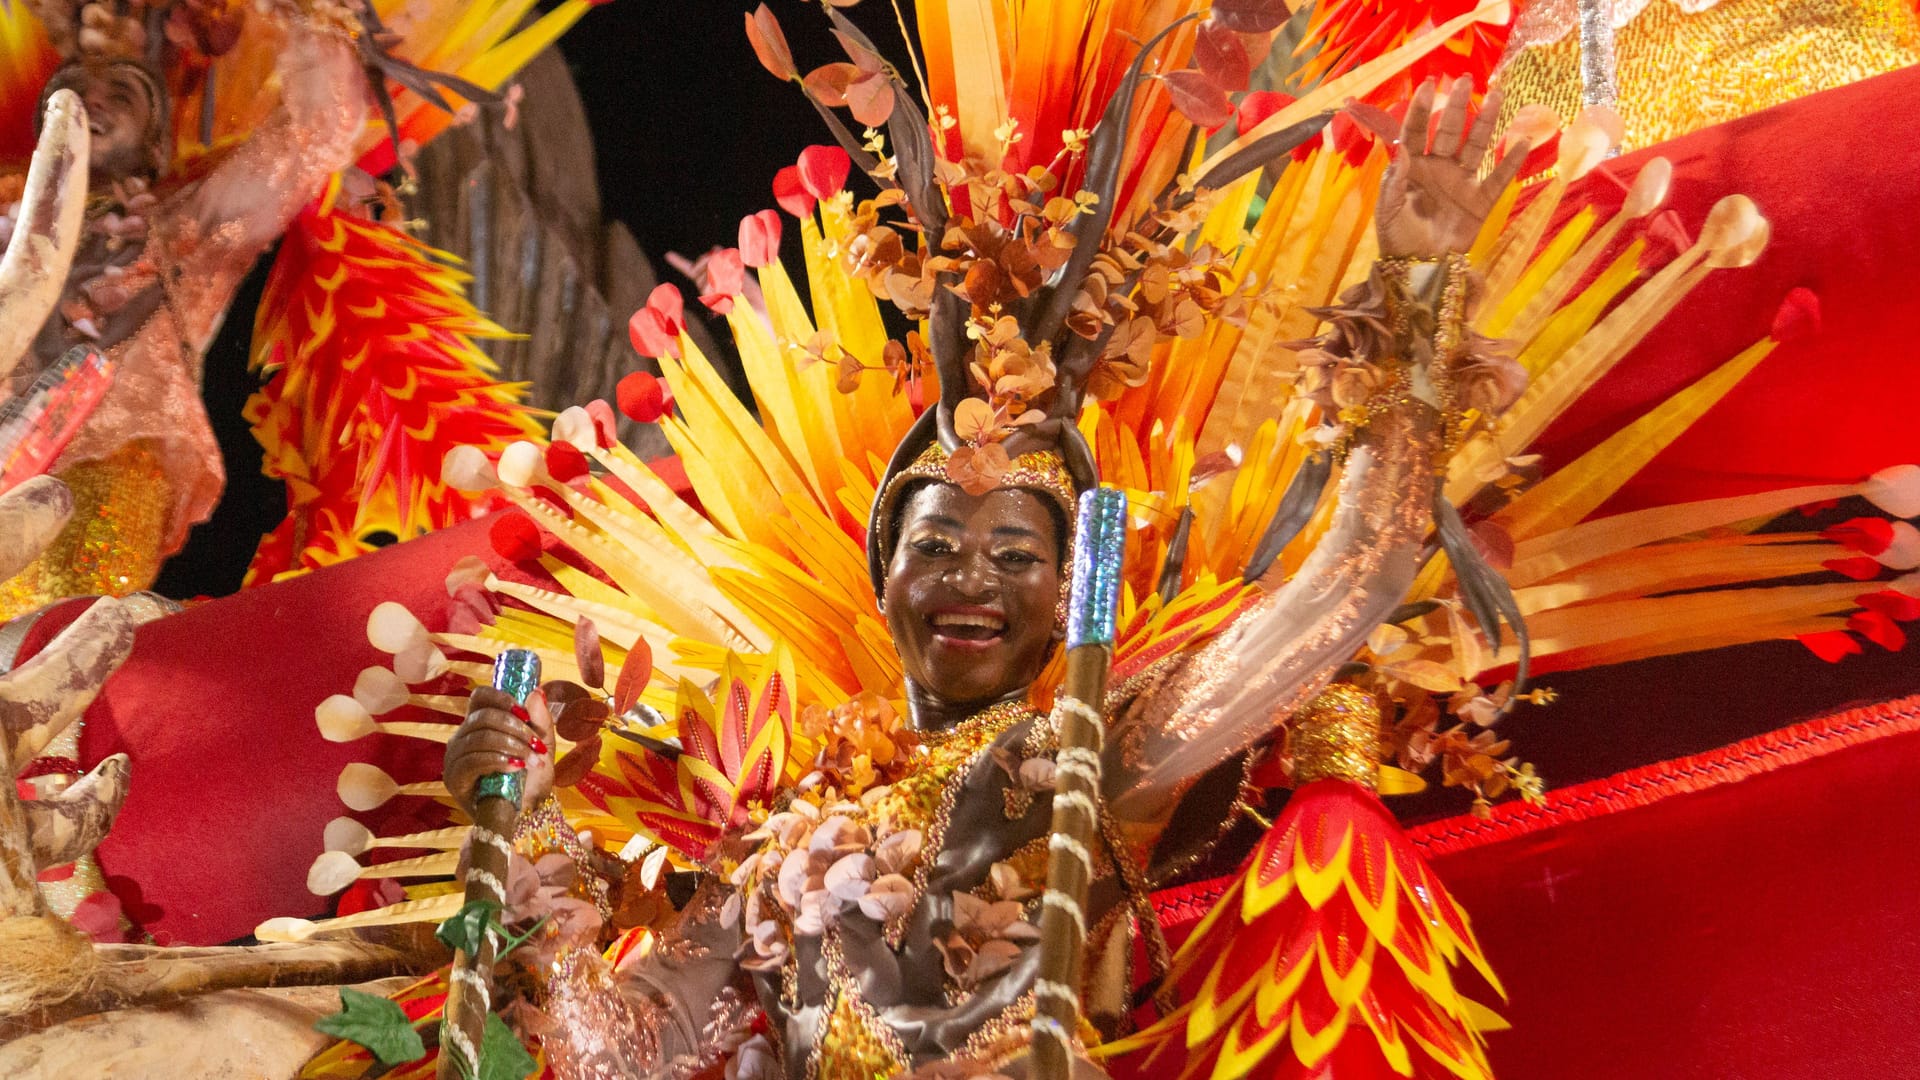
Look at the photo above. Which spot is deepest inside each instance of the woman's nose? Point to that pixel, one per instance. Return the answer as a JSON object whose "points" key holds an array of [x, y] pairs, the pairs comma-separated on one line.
{"points": [[973, 576]]}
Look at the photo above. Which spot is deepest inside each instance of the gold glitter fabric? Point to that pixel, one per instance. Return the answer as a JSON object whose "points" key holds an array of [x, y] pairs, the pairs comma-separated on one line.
{"points": [[1679, 72], [112, 544], [1336, 736]]}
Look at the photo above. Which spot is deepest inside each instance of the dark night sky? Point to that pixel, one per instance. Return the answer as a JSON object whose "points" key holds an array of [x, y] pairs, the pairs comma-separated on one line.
{"points": [[688, 130], [688, 126]]}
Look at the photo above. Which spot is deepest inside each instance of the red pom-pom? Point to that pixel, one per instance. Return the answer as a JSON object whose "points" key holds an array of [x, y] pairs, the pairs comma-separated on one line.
{"points": [[1892, 603], [666, 300], [1878, 629], [650, 335], [369, 894], [823, 170], [606, 426], [1258, 105], [1798, 317], [1831, 645], [515, 537], [565, 462], [726, 279], [791, 194], [98, 917], [1859, 568], [1867, 535], [643, 397], [760, 238]]}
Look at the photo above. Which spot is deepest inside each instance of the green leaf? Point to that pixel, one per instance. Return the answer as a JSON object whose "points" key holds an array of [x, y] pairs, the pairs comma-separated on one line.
{"points": [[468, 926], [501, 1055], [377, 1024]]}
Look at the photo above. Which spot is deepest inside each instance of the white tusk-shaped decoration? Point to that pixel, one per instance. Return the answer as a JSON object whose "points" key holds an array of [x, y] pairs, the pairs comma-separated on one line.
{"points": [[380, 691], [332, 872], [393, 629], [335, 870], [343, 719], [431, 909], [420, 663], [466, 468], [575, 427], [1731, 231], [285, 929], [366, 787], [1903, 553], [1649, 190], [53, 206], [1895, 490], [1582, 146], [348, 835], [521, 464]]}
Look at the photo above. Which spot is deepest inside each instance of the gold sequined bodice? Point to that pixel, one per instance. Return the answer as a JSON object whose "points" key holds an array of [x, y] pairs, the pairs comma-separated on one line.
{"points": [[1678, 72]]}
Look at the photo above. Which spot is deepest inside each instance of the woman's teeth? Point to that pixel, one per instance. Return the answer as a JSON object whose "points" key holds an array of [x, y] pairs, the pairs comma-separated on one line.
{"points": [[968, 627]]}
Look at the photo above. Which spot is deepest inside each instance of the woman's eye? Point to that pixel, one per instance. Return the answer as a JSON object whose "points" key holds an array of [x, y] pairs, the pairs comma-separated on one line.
{"points": [[933, 547], [1018, 558]]}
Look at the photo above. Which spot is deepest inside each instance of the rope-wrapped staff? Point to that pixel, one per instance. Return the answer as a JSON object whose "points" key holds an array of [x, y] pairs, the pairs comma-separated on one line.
{"points": [[496, 799], [1099, 546]]}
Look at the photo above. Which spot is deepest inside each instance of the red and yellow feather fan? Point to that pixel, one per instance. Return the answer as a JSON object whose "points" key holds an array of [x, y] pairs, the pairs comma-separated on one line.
{"points": [[370, 343]]}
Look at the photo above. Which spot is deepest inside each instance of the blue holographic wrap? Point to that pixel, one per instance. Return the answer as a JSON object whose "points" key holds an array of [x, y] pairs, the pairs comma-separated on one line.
{"points": [[1099, 546], [500, 785], [517, 671]]}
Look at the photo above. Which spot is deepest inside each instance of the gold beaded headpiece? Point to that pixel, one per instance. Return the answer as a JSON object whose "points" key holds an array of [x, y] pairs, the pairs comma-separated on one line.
{"points": [[1042, 472]]}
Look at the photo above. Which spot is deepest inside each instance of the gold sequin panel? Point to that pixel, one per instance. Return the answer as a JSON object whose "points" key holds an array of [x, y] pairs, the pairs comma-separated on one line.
{"points": [[1678, 73], [111, 546]]}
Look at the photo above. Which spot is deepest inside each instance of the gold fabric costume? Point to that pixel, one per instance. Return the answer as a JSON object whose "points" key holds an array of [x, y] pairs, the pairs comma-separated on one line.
{"points": [[1679, 71]]}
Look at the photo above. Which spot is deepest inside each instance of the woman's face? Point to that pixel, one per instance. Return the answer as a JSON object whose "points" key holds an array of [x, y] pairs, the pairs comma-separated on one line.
{"points": [[971, 591]]}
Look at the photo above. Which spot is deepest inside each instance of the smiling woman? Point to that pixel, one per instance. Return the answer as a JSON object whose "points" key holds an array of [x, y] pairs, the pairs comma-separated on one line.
{"points": [[972, 584]]}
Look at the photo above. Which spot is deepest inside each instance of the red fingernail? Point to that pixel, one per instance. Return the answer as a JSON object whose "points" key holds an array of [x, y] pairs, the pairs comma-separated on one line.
{"points": [[520, 713], [539, 745], [516, 763]]}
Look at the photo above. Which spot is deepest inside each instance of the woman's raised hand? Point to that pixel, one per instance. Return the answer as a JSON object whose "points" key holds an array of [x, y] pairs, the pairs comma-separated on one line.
{"points": [[1432, 200]]}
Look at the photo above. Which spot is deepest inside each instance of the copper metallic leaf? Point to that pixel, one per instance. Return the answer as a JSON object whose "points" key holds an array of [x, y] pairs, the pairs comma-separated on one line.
{"points": [[581, 718], [1219, 54], [1250, 16], [633, 676], [1199, 98], [770, 44], [577, 763], [587, 653], [871, 99]]}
